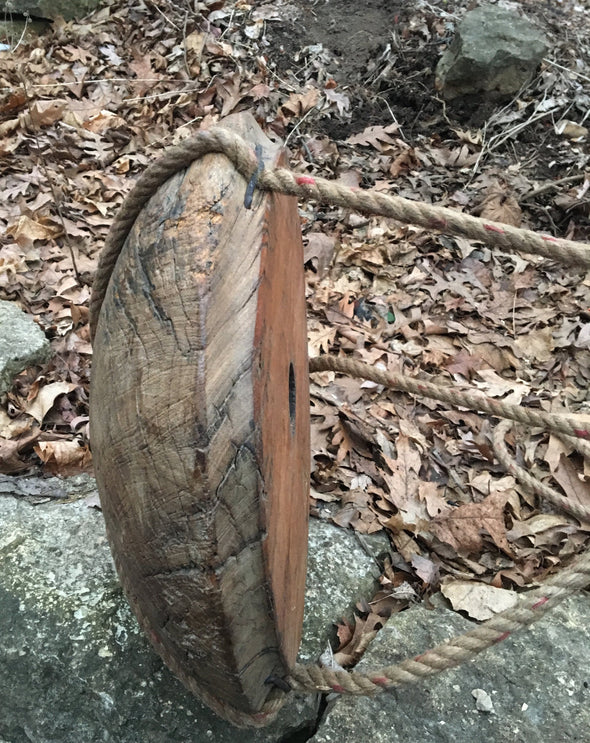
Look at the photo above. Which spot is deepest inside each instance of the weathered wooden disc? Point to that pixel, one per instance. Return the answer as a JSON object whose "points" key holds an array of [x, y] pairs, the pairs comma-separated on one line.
{"points": [[200, 428]]}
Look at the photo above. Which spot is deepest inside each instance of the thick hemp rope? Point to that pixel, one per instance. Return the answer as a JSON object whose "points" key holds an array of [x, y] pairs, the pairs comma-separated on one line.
{"points": [[532, 605], [451, 653], [571, 425], [578, 510]]}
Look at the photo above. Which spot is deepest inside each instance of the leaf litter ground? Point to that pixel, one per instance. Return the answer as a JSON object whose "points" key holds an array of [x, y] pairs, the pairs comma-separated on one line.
{"points": [[350, 88]]}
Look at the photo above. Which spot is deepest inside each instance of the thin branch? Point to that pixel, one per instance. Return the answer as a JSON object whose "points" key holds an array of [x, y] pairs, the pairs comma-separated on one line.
{"points": [[22, 36], [552, 185], [567, 69]]}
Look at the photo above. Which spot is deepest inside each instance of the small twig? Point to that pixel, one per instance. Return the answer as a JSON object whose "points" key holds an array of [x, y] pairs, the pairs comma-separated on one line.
{"points": [[102, 80], [22, 36], [287, 85], [164, 95], [161, 12], [400, 131], [567, 69], [444, 109], [547, 214], [498, 139], [553, 184], [308, 152], [298, 124], [184, 49], [230, 21]]}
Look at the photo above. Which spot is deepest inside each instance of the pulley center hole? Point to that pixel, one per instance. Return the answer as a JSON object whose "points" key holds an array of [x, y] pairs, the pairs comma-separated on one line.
{"points": [[292, 398]]}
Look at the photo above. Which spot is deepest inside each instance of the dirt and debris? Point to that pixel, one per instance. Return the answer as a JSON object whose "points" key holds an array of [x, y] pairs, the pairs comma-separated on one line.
{"points": [[350, 88]]}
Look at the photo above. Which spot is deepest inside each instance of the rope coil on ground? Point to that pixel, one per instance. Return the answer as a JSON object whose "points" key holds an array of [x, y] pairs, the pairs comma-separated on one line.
{"points": [[533, 605]]}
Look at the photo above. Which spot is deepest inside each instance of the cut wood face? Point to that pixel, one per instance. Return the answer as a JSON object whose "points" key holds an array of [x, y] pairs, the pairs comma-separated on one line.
{"points": [[281, 400], [200, 428]]}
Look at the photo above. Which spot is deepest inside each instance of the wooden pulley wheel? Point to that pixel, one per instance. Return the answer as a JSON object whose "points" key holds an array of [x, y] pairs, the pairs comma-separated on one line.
{"points": [[200, 428]]}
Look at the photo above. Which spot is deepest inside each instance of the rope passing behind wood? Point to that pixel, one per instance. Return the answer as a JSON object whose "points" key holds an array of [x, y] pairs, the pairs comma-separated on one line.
{"points": [[532, 606]]}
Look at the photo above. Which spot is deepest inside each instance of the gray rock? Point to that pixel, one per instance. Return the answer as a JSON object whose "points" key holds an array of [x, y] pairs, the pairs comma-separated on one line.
{"points": [[339, 572], [74, 665], [43, 489], [495, 52], [377, 545], [22, 343], [536, 681], [51, 9]]}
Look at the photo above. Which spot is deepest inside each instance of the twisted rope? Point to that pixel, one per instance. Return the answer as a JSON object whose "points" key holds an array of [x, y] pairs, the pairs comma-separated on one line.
{"points": [[453, 652], [220, 140], [155, 175], [573, 426], [533, 605], [579, 510]]}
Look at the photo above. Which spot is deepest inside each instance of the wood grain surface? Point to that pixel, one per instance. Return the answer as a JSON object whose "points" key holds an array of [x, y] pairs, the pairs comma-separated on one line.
{"points": [[200, 428]]}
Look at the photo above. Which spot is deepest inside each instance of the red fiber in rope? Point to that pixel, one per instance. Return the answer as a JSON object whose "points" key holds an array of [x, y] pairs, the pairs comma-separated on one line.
{"points": [[303, 180]]}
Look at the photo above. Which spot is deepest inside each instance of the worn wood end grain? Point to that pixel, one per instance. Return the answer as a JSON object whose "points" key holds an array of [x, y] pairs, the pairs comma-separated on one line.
{"points": [[200, 427]]}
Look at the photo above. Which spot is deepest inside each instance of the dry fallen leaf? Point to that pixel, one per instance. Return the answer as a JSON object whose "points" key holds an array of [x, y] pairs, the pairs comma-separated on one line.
{"points": [[103, 122], [463, 527], [320, 247], [402, 163], [478, 600], [537, 345], [46, 397], [427, 570], [26, 231], [471, 137], [403, 484], [375, 136], [11, 461], [354, 642], [341, 100], [300, 103], [543, 528], [570, 129], [63, 456], [499, 205], [45, 113], [568, 476]]}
